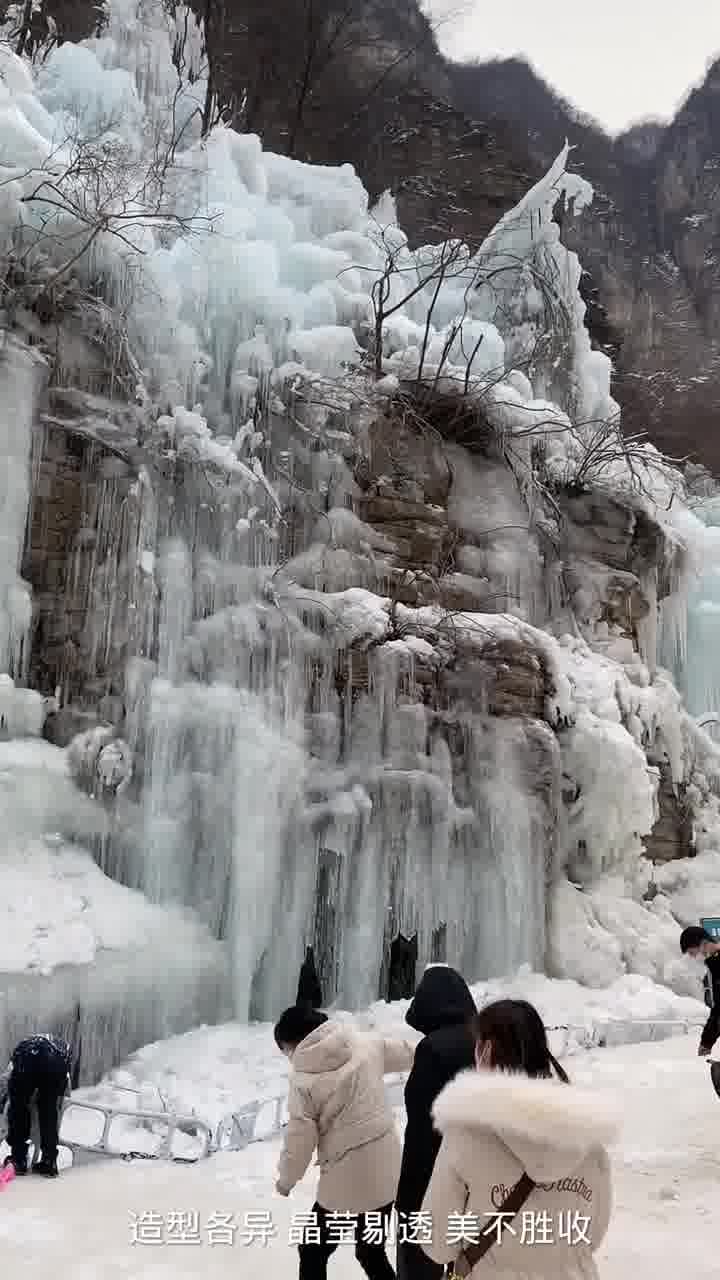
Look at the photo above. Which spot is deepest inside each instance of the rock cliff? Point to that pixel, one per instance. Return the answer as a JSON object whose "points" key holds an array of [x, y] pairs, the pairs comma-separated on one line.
{"points": [[342, 621]]}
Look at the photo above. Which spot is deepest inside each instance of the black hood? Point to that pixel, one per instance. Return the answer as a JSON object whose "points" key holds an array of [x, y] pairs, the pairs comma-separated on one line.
{"points": [[442, 999]]}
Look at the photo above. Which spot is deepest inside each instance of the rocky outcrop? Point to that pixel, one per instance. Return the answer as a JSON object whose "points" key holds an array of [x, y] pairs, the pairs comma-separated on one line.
{"points": [[475, 672], [84, 562], [618, 562], [672, 835]]}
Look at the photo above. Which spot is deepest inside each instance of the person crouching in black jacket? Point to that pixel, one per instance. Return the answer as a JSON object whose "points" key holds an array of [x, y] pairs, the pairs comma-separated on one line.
{"points": [[441, 1009], [40, 1071]]}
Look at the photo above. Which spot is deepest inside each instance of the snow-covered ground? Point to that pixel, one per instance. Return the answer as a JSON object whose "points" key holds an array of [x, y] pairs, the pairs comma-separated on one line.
{"points": [[212, 1071], [667, 1165]]}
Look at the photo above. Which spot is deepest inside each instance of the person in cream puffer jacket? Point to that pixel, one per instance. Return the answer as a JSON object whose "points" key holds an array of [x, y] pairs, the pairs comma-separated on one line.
{"points": [[509, 1117], [337, 1105]]}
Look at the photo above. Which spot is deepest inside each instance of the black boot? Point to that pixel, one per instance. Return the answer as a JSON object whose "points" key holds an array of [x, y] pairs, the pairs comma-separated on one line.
{"points": [[19, 1164], [46, 1168]]}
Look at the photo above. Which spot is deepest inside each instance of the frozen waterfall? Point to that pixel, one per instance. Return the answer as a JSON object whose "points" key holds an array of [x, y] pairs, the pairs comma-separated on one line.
{"points": [[697, 665], [291, 806], [21, 374], [271, 593], [226, 770]]}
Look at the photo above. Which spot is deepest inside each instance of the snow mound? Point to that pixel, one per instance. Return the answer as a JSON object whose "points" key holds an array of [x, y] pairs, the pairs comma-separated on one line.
{"points": [[97, 961], [80, 951], [213, 1071], [59, 909]]}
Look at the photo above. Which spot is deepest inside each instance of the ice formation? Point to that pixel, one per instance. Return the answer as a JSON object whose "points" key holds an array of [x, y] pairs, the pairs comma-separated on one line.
{"points": [[78, 950], [211, 1072], [308, 754], [694, 664], [21, 373]]}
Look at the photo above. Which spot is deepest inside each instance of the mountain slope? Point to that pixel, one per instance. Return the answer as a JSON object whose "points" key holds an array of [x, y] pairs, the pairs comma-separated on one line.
{"points": [[650, 248], [364, 82]]}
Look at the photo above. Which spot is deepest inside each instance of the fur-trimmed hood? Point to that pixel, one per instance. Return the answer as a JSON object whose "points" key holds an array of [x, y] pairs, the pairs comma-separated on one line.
{"points": [[548, 1125]]}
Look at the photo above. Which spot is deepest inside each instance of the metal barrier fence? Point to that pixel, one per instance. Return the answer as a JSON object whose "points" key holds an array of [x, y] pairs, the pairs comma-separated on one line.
{"points": [[264, 1118], [161, 1127]]}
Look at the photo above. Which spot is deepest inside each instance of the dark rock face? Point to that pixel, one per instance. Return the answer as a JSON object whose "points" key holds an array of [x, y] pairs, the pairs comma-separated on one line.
{"points": [[450, 174], [671, 837], [649, 247], [82, 561]]}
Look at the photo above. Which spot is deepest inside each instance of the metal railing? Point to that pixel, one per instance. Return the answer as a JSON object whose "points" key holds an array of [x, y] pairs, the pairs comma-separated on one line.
{"points": [[169, 1123], [265, 1118], [238, 1130]]}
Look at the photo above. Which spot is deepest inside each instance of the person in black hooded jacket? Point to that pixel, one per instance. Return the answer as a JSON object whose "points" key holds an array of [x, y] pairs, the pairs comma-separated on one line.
{"points": [[442, 1009]]}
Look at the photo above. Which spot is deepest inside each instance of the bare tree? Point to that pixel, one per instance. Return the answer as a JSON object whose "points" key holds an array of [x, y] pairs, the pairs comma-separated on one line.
{"points": [[29, 27], [302, 71], [34, 27], [216, 25], [209, 23], [88, 187], [401, 278], [92, 193]]}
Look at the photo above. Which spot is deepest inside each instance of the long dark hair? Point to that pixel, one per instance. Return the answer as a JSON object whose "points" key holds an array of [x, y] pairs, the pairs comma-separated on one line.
{"points": [[517, 1038]]}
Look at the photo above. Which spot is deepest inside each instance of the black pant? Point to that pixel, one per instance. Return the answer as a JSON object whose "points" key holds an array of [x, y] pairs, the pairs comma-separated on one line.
{"points": [[47, 1086], [371, 1256], [414, 1264]]}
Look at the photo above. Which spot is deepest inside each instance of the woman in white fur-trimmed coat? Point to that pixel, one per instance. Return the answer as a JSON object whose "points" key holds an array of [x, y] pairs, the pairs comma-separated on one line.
{"points": [[518, 1113]]}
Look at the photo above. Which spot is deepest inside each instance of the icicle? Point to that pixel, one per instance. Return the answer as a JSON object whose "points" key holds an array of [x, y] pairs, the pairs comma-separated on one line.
{"points": [[647, 627], [20, 372]]}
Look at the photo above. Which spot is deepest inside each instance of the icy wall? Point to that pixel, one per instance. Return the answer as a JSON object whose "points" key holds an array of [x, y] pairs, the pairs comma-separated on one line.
{"points": [[696, 665], [309, 765], [21, 374], [356, 568]]}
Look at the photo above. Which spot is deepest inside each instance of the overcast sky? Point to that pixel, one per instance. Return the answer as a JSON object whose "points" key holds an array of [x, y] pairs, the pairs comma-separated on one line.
{"points": [[618, 60]]}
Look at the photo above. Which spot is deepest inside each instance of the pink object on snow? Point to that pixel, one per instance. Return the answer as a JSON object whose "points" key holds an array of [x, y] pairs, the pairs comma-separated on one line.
{"points": [[6, 1176]]}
